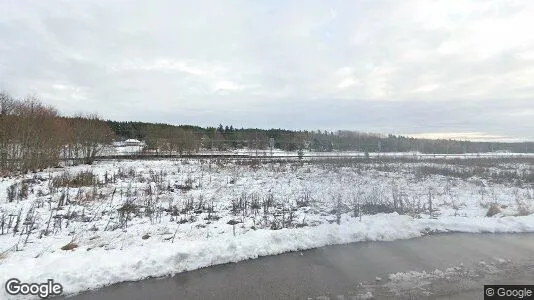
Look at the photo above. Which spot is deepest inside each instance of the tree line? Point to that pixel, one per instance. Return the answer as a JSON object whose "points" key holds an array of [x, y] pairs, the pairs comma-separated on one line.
{"points": [[227, 137], [33, 136]]}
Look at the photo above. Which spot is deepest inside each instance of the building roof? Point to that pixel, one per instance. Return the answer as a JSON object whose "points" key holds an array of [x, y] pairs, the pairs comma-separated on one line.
{"points": [[132, 141]]}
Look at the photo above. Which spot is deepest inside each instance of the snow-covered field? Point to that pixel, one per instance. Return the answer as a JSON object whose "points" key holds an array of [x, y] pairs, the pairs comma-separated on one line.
{"points": [[122, 148], [90, 226], [409, 154]]}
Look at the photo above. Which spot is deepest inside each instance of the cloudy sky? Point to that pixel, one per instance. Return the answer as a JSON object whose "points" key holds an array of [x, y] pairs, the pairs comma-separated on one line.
{"points": [[452, 68]]}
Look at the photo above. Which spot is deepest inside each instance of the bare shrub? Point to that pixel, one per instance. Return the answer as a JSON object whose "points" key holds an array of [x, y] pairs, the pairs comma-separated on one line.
{"points": [[3, 255], [372, 208], [493, 210], [304, 200], [376, 203], [70, 246], [12, 193], [449, 171], [523, 209], [18, 191], [240, 204], [125, 173], [126, 212], [83, 178], [187, 185]]}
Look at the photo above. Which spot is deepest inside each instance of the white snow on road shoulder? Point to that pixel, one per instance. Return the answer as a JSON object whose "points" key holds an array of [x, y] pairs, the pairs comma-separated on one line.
{"points": [[82, 270]]}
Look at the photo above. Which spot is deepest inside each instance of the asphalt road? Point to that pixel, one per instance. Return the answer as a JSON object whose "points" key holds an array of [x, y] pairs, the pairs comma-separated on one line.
{"points": [[351, 271]]}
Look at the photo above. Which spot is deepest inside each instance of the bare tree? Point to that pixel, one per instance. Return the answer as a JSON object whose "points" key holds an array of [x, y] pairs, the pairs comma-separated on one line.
{"points": [[89, 136]]}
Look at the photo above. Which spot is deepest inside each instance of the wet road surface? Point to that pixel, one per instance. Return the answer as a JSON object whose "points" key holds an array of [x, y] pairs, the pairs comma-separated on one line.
{"points": [[350, 272]]}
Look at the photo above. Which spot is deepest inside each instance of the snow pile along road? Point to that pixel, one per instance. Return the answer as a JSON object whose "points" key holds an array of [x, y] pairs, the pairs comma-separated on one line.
{"points": [[82, 270]]}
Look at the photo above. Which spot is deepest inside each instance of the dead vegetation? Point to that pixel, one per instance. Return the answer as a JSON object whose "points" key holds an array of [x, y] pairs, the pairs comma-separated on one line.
{"points": [[70, 246], [81, 179], [175, 195], [493, 210]]}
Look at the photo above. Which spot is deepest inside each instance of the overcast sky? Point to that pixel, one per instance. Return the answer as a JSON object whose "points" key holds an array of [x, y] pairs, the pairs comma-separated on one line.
{"points": [[429, 68]]}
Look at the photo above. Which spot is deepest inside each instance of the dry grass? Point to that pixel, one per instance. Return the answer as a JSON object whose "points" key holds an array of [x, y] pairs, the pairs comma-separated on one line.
{"points": [[3, 255], [84, 178], [493, 209], [523, 209], [70, 246]]}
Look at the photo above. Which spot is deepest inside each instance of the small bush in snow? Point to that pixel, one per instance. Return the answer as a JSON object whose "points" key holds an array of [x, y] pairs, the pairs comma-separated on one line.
{"points": [[70, 246], [493, 209], [83, 178]]}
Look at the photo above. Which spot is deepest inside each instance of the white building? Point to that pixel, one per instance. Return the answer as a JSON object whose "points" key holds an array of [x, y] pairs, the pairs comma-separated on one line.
{"points": [[132, 142]]}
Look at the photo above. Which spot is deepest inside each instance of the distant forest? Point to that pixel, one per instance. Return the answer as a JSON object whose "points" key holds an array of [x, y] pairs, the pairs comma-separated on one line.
{"points": [[34, 136], [185, 137]]}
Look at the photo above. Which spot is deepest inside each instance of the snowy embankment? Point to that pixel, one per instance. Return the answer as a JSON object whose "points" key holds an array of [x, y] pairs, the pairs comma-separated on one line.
{"points": [[82, 270], [131, 220]]}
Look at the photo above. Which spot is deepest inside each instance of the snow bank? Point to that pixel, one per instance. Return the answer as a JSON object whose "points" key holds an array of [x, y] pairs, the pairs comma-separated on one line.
{"points": [[81, 270]]}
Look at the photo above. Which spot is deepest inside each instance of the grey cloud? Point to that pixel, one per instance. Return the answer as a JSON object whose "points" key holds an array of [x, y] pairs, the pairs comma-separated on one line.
{"points": [[405, 66]]}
